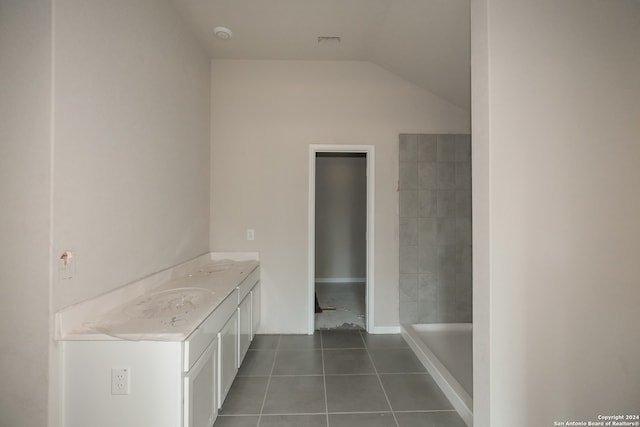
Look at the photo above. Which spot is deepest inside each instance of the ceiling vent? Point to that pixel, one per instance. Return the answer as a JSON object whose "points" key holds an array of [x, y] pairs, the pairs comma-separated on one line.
{"points": [[329, 39]]}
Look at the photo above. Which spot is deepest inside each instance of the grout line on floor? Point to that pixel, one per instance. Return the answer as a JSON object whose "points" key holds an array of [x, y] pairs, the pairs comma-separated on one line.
{"points": [[338, 349], [297, 375], [293, 413], [324, 381], [266, 391], [362, 374], [405, 373], [235, 415], [381, 385], [344, 348]]}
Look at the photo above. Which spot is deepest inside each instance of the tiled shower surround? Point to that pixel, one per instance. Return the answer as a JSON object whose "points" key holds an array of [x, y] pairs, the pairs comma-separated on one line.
{"points": [[435, 228]]}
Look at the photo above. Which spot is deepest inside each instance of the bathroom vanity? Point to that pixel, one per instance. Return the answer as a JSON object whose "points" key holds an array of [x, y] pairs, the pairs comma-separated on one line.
{"points": [[166, 357]]}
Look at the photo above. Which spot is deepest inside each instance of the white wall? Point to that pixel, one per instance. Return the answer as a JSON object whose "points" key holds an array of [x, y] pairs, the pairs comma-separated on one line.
{"points": [[104, 130], [556, 206], [264, 116], [341, 217], [25, 93], [131, 166]]}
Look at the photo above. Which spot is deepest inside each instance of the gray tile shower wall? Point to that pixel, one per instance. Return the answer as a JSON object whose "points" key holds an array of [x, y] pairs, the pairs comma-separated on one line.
{"points": [[435, 228]]}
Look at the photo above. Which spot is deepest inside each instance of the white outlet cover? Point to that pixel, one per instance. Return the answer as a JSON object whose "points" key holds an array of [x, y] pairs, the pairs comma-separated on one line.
{"points": [[120, 381]]}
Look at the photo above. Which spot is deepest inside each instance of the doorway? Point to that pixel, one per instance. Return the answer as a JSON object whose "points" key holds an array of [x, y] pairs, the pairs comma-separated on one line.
{"points": [[340, 237], [340, 247]]}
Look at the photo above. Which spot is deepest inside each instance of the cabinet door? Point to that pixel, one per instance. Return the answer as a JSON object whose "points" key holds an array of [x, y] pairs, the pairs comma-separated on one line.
{"points": [[244, 327], [156, 380], [255, 309], [200, 405], [227, 357]]}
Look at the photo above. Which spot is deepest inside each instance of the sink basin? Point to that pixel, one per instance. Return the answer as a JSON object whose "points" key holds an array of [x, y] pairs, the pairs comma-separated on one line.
{"points": [[170, 302], [215, 268]]}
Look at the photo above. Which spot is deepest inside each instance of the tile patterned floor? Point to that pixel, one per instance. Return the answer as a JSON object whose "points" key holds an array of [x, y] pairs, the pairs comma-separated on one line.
{"points": [[334, 379]]}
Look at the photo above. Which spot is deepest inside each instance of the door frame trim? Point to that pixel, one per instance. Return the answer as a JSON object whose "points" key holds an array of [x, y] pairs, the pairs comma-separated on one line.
{"points": [[369, 151]]}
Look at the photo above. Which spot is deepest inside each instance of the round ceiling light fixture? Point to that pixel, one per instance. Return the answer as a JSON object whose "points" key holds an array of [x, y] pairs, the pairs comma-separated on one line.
{"points": [[223, 33]]}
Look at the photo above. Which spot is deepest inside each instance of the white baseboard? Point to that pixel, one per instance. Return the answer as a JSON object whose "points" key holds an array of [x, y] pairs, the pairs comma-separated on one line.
{"points": [[385, 330], [341, 280]]}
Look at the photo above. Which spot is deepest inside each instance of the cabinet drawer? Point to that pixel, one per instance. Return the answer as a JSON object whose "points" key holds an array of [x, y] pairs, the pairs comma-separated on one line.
{"points": [[200, 339], [245, 287]]}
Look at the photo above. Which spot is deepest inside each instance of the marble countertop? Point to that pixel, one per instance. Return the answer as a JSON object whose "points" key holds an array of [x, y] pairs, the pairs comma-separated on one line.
{"points": [[170, 311]]}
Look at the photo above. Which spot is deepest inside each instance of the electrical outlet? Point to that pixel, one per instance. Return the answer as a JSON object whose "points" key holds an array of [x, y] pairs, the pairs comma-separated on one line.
{"points": [[120, 381], [251, 234]]}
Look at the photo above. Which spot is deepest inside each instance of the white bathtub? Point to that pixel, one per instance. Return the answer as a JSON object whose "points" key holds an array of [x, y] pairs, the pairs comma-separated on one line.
{"points": [[445, 349]]}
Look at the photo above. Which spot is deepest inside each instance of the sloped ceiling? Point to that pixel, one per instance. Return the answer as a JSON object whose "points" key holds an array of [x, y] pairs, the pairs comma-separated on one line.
{"points": [[424, 41]]}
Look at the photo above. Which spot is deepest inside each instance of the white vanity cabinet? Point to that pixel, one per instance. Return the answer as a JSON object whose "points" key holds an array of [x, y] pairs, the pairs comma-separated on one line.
{"points": [[171, 382], [158, 385]]}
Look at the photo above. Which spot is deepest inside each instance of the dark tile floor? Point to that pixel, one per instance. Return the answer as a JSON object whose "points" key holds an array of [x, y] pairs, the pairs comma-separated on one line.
{"points": [[334, 379]]}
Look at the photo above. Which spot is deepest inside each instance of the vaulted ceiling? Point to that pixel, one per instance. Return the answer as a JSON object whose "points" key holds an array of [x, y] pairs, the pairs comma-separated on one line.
{"points": [[423, 41]]}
